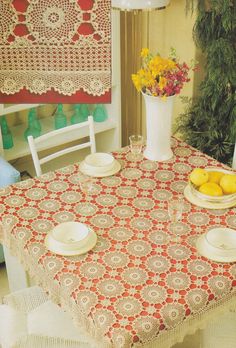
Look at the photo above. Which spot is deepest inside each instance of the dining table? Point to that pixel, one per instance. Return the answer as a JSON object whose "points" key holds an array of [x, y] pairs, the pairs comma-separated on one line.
{"points": [[135, 288]]}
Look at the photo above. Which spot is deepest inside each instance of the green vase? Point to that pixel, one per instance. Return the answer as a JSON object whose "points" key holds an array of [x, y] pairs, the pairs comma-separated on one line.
{"points": [[84, 110], [33, 112], [33, 128], [100, 113], [60, 118], [77, 117], [7, 139]]}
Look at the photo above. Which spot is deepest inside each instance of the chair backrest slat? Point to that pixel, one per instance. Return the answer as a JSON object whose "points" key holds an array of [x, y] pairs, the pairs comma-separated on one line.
{"points": [[34, 144], [64, 152]]}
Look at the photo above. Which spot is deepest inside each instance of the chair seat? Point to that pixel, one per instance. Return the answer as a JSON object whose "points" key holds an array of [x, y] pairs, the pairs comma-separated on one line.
{"points": [[28, 319], [221, 333]]}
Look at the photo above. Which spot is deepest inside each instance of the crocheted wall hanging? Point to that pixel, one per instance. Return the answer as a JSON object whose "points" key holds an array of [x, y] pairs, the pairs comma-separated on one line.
{"points": [[55, 51]]}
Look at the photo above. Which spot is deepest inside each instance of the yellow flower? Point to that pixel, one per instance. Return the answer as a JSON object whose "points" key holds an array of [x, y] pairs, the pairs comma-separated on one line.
{"points": [[146, 78], [159, 65], [170, 64], [137, 82], [162, 82], [144, 52]]}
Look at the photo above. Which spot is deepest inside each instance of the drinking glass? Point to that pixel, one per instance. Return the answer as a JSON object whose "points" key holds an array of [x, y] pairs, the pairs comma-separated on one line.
{"points": [[175, 209], [86, 184], [136, 144]]}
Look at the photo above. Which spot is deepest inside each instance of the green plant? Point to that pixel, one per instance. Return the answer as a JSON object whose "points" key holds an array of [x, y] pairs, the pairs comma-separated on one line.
{"points": [[209, 124]]}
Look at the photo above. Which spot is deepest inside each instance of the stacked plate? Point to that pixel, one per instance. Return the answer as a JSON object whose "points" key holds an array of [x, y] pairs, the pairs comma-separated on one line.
{"points": [[71, 238], [218, 244], [100, 164]]}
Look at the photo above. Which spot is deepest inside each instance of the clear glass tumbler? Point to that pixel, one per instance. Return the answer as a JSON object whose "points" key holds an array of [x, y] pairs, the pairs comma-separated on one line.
{"points": [[175, 210], [86, 184], [136, 145]]}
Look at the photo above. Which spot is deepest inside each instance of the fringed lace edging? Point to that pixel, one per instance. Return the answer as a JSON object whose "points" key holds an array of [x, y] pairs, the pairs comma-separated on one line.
{"points": [[191, 325], [36, 341], [93, 83]]}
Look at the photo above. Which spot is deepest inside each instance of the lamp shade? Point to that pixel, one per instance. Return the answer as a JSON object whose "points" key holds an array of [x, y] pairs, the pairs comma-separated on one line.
{"points": [[139, 4]]}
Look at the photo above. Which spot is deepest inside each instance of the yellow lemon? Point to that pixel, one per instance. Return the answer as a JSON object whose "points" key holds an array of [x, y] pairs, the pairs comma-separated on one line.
{"points": [[215, 177], [228, 183], [198, 176], [211, 189]]}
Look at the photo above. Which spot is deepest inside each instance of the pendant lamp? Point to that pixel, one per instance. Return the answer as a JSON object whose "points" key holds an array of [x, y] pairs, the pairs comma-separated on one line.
{"points": [[129, 5]]}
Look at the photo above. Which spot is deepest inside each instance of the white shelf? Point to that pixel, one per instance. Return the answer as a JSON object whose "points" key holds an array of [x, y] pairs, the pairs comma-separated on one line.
{"points": [[21, 147], [5, 109]]}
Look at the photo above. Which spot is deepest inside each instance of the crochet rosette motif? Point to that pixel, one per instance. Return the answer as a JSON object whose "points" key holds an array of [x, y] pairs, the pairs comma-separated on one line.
{"points": [[63, 45]]}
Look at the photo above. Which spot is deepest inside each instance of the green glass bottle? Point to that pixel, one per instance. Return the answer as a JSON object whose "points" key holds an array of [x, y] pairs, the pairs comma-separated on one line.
{"points": [[100, 113], [77, 117], [35, 117], [34, 128], [60, 120], [84, 110], [7, 139]]}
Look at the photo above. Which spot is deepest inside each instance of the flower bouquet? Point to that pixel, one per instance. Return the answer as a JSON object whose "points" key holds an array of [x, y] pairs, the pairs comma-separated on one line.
{"points": [[159, 76]]}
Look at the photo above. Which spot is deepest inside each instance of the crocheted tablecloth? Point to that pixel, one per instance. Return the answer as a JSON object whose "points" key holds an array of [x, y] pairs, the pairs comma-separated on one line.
{"points": [[134, 288]]}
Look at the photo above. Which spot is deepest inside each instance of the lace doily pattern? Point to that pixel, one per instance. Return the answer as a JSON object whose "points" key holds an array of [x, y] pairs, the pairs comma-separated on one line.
{"points": [[135, 288], [64, 45]]}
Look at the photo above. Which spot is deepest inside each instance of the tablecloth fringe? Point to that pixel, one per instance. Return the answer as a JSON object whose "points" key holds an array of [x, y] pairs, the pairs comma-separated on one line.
{"points": [[199, 322], [39, 341]]}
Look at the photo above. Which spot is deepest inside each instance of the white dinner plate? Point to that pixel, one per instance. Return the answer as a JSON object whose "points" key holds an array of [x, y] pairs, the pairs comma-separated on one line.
{"points": [[52, 246], [204, 204], [205, 250], [116, 168]]}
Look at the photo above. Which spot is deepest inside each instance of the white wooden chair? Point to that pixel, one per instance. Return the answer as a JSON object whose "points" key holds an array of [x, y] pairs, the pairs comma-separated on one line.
{"points": [[36, 144]]}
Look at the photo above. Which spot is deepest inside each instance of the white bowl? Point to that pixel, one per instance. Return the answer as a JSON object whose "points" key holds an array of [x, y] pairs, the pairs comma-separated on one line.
{"points": [[222, 239], [206, 250], [52, 245], [70, 235], [99, 162], [213, 199]]}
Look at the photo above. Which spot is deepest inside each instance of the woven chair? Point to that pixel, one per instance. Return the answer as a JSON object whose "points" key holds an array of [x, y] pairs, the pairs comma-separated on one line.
{"points": [[220, 333], [29, 320]]}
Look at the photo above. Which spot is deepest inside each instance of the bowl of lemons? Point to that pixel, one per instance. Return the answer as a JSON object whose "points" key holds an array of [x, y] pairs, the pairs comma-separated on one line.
{"points": [[212, 184]]}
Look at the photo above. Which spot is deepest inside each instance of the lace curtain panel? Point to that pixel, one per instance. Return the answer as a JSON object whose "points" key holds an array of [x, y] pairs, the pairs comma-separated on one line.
{"points": [[61, 46]]}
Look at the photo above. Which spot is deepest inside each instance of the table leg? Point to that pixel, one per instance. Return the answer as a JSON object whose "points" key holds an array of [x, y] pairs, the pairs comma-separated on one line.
{"points": [[17, 276]]}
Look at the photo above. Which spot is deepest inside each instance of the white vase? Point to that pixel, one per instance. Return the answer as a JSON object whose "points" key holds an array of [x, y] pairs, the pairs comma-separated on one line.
{"points": [[158, 127]]}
